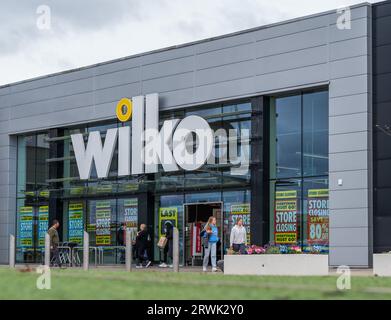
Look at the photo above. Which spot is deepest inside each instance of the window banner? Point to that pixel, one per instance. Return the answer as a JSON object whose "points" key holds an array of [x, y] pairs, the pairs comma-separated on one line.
{"points": [[75, 222], [167, 214], [318, 217], [195, 243], [43, 224], [242, 211], [103, 221], [131, 216], [285, 217], [131, 213], [25, 227]]}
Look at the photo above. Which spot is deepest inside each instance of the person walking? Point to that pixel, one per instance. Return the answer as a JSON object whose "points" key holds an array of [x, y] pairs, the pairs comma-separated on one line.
{"points": [[238, 237], [142, 240], [54, 242], [168, 249], [211, 234], [121, 239]]}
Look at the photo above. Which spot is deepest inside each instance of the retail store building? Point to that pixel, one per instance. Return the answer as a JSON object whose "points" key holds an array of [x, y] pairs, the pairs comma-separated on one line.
{"points": [[311, 95]]}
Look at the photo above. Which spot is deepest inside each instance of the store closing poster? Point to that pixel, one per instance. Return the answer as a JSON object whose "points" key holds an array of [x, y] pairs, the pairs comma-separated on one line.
{"points": [[285, 217]]}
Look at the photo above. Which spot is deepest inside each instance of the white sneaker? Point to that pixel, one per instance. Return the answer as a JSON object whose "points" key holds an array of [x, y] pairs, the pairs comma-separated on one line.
{"points": [[163, 265], [204, 269], [214, 269]]}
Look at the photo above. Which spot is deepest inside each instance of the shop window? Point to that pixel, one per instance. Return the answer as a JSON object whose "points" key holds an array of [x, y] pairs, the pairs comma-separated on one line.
{"points": [[299, 171]]}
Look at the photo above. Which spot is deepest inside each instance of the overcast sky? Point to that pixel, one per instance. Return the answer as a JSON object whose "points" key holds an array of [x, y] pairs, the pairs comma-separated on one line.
{"points": [[85, 32]]}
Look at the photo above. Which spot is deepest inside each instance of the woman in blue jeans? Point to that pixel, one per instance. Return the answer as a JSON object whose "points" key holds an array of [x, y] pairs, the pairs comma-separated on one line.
{"points": [[211, 233]]}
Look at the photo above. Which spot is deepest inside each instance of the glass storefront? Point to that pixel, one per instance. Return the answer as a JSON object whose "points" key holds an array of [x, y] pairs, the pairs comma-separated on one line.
{"points": [[49, 186], [299, 171]]}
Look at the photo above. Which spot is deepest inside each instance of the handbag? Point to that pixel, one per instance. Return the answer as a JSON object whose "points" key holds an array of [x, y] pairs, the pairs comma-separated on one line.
{"points": [[162, 242], [205, 240]]}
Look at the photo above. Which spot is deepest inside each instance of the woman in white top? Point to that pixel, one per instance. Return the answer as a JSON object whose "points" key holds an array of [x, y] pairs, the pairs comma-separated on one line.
{"points": [[238, 238]]}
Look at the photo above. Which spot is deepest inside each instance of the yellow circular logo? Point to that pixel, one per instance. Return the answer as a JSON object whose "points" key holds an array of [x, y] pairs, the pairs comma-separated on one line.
{"points": [[124, 110]]}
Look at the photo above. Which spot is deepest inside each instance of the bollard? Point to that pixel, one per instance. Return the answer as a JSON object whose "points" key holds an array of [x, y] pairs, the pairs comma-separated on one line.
{"points": [[175, 251], [128, 251], [86, 251], [12, 251], [47, 250]]}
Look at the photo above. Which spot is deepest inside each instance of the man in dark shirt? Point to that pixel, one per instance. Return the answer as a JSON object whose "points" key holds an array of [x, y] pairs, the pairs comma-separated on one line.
{"points": [[54, 242]]}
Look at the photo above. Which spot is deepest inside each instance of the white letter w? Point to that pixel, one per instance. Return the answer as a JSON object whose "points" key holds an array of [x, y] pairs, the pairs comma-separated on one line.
{"points": [[94, 151]]}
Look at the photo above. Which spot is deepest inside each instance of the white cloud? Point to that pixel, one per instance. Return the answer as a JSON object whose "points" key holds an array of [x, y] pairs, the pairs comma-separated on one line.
{"points": [[91, 31]]}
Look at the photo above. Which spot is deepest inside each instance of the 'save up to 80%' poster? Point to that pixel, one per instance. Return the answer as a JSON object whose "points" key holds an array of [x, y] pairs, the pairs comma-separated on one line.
{"points": [[318, 217]]}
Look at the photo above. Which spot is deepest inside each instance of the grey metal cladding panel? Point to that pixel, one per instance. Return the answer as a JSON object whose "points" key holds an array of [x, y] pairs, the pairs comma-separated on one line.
{"points": [[349, 199], [176, 98], [4, 126], [8, 152], [53, 105], [169, 83], [291, 78], [55, 91], [4, 140], [8, 190], [4, 101], [117, 78], [351, 180], [349, 48], [5, 114], [222, 90], [116, 93], [348, 104], [166, 68], [54, 119], [34, 83], [291, 42], [351, 256], [225, 73], [5, 177], [354, 237], [292, 60], [348, 123], [348, 142], [4, 91], [346, 218], [357, 160], [349, 67], [224, 56], [7, 164], [165, 55], [349, 86], [359, 28], [225, 42], [120, 65]]}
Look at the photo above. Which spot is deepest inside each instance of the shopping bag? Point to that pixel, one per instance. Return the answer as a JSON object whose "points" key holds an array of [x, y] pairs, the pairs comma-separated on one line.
{"points": [[162, 242]]}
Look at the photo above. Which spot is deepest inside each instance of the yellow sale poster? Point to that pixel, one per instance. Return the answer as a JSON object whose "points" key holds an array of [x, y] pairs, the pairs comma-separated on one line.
{"points": [[285, 217]]}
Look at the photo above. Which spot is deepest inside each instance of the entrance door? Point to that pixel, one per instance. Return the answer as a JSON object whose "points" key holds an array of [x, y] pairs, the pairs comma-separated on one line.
{"points": [[196, 216]]}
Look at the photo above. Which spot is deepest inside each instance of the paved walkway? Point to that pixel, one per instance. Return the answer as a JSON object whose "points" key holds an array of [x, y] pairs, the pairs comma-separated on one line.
{"points": [[356, 272]]}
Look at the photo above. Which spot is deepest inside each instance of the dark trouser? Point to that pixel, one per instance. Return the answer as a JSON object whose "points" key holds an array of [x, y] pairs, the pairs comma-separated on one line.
{"points": [[55, 256], [239, 247], [141, 255], [167, 252]]}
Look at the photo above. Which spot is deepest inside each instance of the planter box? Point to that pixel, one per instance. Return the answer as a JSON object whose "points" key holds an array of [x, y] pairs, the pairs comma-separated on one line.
{"points": [[277, 264], [382, 265]]}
